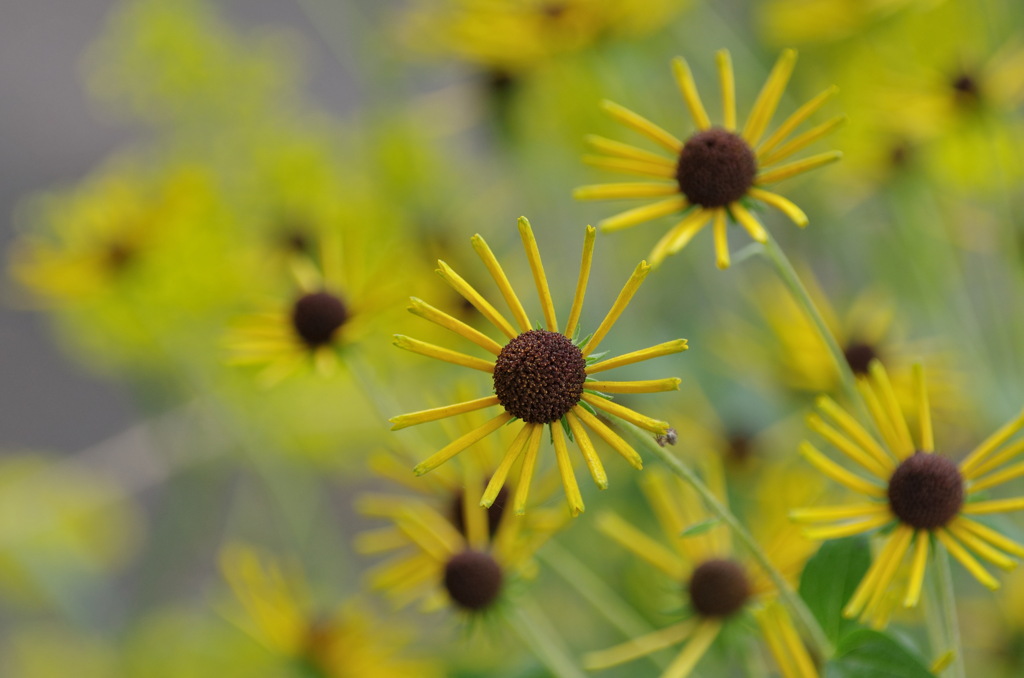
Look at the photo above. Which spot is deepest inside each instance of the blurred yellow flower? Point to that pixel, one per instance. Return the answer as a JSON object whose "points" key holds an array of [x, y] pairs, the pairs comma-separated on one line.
{"points": [[786, 22], [716, 174], [718, 585], [542, 377], [923, 496]]}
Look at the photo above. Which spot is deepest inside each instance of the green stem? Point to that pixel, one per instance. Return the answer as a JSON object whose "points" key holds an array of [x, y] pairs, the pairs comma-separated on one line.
{"points": [[789, 277], [946, 602], [593, 589], [816, 637], [542, 638]]}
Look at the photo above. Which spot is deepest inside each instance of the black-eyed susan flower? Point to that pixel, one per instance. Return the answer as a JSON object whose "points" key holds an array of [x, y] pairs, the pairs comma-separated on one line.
{"points": [[447, 550], [329, 310], [918, 499], [542, 377], [719, 171], [276, 612], [717, 587]]}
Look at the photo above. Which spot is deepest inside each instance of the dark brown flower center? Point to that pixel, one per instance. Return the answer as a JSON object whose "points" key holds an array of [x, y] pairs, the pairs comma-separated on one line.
{"points": [[926, 491], [494, 513], [719, 588], [118, 256], [859, 356], [966, 89], [473, 580], [715, 168], [739, 448], [539, 376], [317, 316]]}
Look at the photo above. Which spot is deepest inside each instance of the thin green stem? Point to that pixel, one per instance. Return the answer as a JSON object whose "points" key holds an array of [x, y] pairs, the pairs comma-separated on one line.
{"points": [[596, 592], [542, 638], [946, 602], [789, 277], [818, 641]]}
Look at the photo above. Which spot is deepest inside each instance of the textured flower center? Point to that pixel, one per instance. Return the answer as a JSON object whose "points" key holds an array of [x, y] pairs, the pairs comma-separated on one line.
{"points": [[539, 376], [715, 168], [317, 316], [926, 491], [494, 513], [719, 588], [473, 580], [859, 356]]}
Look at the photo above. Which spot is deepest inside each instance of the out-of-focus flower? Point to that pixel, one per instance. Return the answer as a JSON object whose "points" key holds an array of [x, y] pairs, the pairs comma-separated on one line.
{"points": [[717, 174], [718, 586], [923, 496], [339, 644], [788, 22], [541, 376], [49, 651]]}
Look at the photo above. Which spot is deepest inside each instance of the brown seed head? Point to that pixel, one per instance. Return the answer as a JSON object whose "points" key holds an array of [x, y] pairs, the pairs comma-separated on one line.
{"points": [[539, 376], [715, 168]]}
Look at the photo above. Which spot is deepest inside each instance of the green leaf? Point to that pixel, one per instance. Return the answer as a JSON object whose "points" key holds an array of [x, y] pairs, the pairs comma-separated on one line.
{"points": [[866, 653], [699, 528], [830, 578]]}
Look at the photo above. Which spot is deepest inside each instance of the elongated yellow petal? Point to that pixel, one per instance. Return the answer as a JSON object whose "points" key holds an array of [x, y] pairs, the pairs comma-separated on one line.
{"points": [[994, 461], [667, 348], [801, 141], [917, 569], [572, 489], [796, 167], [854, 430], [664, 170], [625, 295], [846, 529], [721, 239], [877, 578], [594, 464], [413, 418], [838, 473], [647, 189], [461, 443], [749, 222], [832, 513], [787, 207], [680, 235], [476, 299], [892, 407], [504, 286], [684, 77], [879, 416], [978, 508], [445, 354], [901, 536], [776, 642], [981, 547], [638, 215], [698, 646], [648, 386], [581, 282], [643, 546], [727, 81], [793, 121], [497, 480], [967, 560], [642, 125], [539, 279], [991, 536], [639, 647], [382, 540], [764, 107], [428, 312], [990, 444], [622, 412], [795, 649], [526, 472], [619, 149], [610, 437], [848, 447], [998, 478]]}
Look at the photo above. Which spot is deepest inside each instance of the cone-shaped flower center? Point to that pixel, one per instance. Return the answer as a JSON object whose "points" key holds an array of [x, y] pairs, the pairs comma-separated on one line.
{"points": [[719, 588], [926, 491], [715, 168], [494, 513], [317, 316], [539, 376], [859, 355], [473, 580]]}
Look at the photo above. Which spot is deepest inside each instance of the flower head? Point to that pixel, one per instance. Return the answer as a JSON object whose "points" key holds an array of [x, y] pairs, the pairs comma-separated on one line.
{"points": [[918, 496], [716, 585], [541, 376], [718, 172]]}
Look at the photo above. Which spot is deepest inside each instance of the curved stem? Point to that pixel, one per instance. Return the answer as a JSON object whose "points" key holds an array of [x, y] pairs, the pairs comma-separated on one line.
{"points": [[946, 602], [789, 277], [542, 638], [818, 641]]}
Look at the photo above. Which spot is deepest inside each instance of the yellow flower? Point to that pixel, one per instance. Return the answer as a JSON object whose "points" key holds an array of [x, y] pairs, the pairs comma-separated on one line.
{"points": [[516, 35], [921, 496], [541, 376], [330, 311], [717, 173], [342, 644], [447, 548], [718, 585], [804, 21]]}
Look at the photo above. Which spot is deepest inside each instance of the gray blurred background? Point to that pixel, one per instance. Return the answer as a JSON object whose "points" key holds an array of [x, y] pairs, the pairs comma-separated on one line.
{"points": [[51, 134]]}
